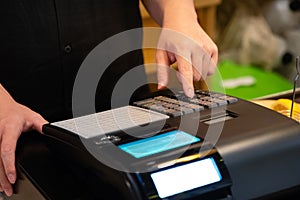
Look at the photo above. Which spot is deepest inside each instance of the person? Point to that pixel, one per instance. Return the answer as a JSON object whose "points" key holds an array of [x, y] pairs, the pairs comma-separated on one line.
{"points": [[43, 44]]}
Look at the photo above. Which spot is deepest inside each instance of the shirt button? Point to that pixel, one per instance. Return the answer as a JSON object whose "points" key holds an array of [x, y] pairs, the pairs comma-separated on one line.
{"points": [[68, 48]]}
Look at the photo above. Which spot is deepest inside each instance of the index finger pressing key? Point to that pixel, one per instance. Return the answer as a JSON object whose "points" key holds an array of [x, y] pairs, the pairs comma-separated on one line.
{"points": [[185, 70]]}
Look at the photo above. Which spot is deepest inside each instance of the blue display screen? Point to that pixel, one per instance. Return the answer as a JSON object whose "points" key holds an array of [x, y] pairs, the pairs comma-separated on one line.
{"points": [[158, 143]]}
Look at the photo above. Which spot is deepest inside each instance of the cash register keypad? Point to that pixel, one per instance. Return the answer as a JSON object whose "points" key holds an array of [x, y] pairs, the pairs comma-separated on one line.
{"points": [[178, 104]]}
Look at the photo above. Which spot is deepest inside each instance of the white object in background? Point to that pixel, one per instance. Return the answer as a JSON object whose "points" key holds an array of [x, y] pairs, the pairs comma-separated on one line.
{"points": [[238, 82], [280, 16], [293, 41]]}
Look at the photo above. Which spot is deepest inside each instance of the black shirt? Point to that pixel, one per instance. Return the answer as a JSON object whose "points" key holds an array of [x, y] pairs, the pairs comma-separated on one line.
{"points": [[43, 43]]}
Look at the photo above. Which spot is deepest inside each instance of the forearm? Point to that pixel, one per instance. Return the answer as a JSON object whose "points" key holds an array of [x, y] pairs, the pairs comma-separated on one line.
{"points": [[167, 12]]}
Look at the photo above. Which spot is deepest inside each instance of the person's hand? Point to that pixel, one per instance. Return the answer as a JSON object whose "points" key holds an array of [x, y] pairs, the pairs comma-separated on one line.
{"points": [[182, 40], [195, 54], [14, 119]]}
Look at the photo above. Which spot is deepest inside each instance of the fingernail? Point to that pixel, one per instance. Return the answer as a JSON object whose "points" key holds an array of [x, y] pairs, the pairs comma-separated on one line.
{"points": [[8, 192], [11, 178], [190, 93], [160, 86]]}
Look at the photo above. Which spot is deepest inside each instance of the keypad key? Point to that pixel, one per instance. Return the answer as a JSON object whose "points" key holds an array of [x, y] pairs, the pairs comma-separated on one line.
{"points": [[178, 104]]}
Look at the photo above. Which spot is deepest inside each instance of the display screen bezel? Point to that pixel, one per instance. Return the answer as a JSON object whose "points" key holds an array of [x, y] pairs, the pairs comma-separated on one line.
{"points": [[183, 178]]}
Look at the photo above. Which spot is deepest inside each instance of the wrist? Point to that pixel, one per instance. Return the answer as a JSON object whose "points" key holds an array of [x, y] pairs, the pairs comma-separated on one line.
{"points": [[184, 16]]}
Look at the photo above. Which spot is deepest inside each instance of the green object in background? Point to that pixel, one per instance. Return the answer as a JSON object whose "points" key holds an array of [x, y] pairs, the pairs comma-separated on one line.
{"points": [[266, 82]]}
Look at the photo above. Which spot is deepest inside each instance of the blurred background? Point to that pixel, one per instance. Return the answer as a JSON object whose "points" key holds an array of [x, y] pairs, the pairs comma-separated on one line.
{"points": [[258, 44]]}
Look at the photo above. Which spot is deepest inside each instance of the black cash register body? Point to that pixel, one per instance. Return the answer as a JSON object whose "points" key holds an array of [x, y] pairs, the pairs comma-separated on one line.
{"points": [[254, 155]]}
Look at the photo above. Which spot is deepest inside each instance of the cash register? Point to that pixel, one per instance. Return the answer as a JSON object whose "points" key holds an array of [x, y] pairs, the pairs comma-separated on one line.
{"points": [[168, 146]]}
